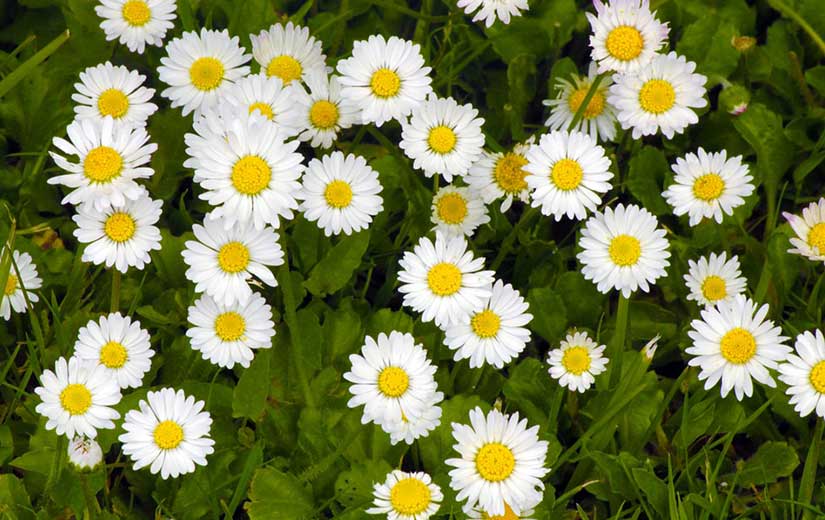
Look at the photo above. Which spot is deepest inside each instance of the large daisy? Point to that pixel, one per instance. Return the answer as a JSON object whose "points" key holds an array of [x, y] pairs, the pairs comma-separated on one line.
{"points": [[598, 118], [288, 52], [136, 23], [458, 211], [804, 373], [408, 429], [267, 96], [492, 10], [406, 496], [713, 279], [13, 298], [810, 231], [323, 111], [626, 35], [501, 175], [115, 91], [577, 361]]}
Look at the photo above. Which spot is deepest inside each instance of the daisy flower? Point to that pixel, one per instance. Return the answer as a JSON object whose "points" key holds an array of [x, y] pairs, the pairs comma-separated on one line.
{"points": [[168, 432], [385, 79], [268, 97], [626, 35], [443, 281], [110, 158], [659, 97], [495, 335], [84, 454], [323, 112], [443, 137], [577, 361], [623, 249], [501, 464], [12, 297], [221, 261], [120, 236], [567, 174], [409, 429], [340, 193], [708, 185], [476, 513], [78, 398], [493, 9], [199, 68], [804, 373], [714, 279], [136, 23], [458, 211], [598, 118], [228, 334], [810, 231], [733, 342], [115, 91], [288, 52], [119, 345], [501, 175], [406, 496], [392, 378]]}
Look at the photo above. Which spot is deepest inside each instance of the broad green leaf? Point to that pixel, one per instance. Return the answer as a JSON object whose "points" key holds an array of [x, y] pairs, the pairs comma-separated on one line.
{"points": [[14, 500], [274, 494], [772, 461], [249, 396], [549, 313], [645, 179], [336, 269]]}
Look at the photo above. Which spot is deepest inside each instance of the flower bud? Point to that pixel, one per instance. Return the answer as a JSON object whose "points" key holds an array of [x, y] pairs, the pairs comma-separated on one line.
{"points": [[734, 99], [84, 454]]}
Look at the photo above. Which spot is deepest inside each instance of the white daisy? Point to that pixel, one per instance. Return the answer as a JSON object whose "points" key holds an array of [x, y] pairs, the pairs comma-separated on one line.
{"points": [[12, 298], [408, 429], [804, 373], [501, 464], [288, 52], [199, 68], [270, 98], [493, 9], [119, 345], [576, 363], [476, 513], [136, 23], [385, 79], [169, 433], [443, 137], [110, 158], [659, 97], [708, 185], [598, 118], [221, 261], [495, 335], [497, 175], [340, 193], [443, 281], [733, 342], [78, 398], [567, 174], [458, 211], [810, 231], [623, 249], [406, 496], [392, 378], [626, 35], [228, 334], [120, 236], [115, 91], [84, 454], [714, 279], [323, 112]]}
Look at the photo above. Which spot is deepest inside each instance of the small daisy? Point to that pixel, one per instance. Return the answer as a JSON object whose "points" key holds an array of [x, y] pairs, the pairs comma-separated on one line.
{"points": [[115, 91], [84, 454], [270, 98], [78, 398], [406, 496], [660, 97], [498, 175], [228, 334], [502, 463], [111, 157], [733, 342], [443, 281], [708, 185], [477, 514], [623, 249], [443, 137], [626, 35], [221, 261], [598, 119], [385, 79], [810, 231], [119, 345], [136, 23], [288, 52], [200, 68], [567, 174], [408, 429], [340, 193], [12, 298], [576, 363], [714, 279], [495, 335], [323, 112], [169, 433], [120, 236], [392, 378], [493, 9], [458, 211], [804, 373]]}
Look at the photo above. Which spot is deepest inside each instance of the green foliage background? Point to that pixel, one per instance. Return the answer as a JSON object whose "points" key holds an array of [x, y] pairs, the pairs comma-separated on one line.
{"points": [[646, 443]]}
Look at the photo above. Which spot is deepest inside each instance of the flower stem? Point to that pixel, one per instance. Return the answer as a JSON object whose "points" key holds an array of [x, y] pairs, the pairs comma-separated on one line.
{"points": [[92, 505], [115, 302], [806, 487], [295, 335], [617, 345], [525, 219]]}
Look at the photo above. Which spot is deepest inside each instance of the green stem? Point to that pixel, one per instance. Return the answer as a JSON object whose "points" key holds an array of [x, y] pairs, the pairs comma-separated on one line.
{"points": [[788, 11], [806, 487], [525, 219], [115, 302], [617, 344], [585, 102], [296, 349], [92, 505]]}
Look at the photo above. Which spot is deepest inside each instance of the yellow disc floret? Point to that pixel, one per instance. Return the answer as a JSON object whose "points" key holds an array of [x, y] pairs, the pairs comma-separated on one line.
{"points": [[594, 107], [251, 175], [113, 355], [230, 326], [385, 83], [119, 227], [393, 381], [714, 288], [708, 187], [625, 43], [817, 377], [113, 102], [495, 462], [76, 399], [738, 346], [102, 164], [233, 257], [206, 73], [509, 173], [657, 96], [285, 67], [485, 324], [625, 250], [168, 435], [410, 496], [566, 174], [451, 208], [442, 139], [576, 360], [323, 114], [338, 194], [444, 279], [816, 237], [264, 108], [136, 13]]}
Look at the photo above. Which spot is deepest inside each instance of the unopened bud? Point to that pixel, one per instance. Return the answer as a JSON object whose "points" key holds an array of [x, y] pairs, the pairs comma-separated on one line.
{"points": [[743, 43], [650, 348], [84, 454], [734, 99]]}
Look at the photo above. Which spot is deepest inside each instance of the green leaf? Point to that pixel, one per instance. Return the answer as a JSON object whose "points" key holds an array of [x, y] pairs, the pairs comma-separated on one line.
{"points": [[528, 388], [23, 70], [646, 177], [14, 500], [521, 82], [707, 42], [335, 270], [772, 461], [342, 333], [354, 487], [763, 130], [549, 313], [387, 320], [249, 396], [275, 494]]}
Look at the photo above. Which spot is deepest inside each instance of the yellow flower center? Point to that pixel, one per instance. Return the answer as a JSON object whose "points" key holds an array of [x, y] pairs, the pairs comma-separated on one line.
{"points": [[113, 102], [508, 515], [495, 462], [410, 496], [119, 227], [251, 175], [708, 187], [485, 324], [738, 346], [816, 237], [576, 360], [323, 114], [393, 381], [625, 43], [11, 285], [594, 107], [625, 250], [206, 73], [452, 208], [264, 108], [233, 257], [285, 67], [567, 174], [113, 355], [168, 435], [444, 279], [817, 377], [338, 194], [230, 326], [442, 139], [385, 83], [136, 13], [714, 288], [76, 399], [508, 173], [657, 96], [102, 164]]}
